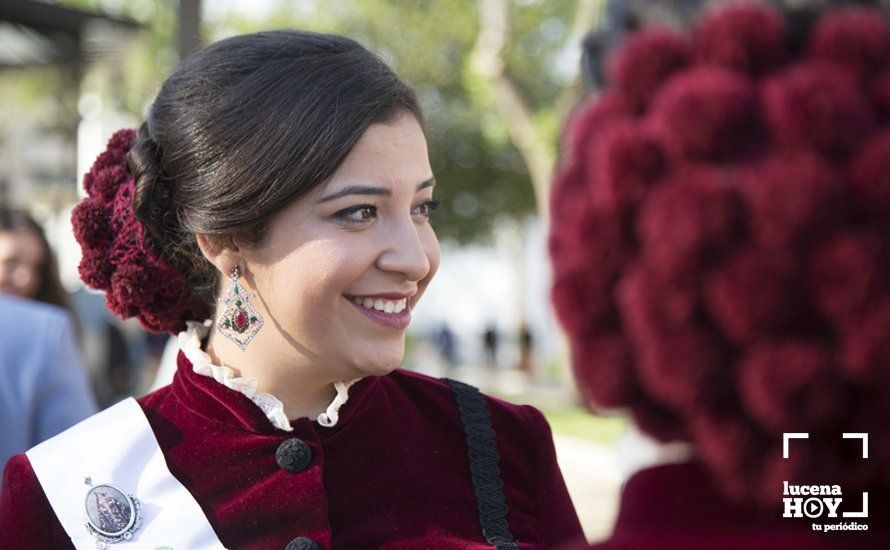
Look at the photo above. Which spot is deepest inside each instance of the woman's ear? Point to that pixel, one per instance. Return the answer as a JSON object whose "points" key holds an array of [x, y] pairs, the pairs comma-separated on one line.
{"points": [[220, 251]]}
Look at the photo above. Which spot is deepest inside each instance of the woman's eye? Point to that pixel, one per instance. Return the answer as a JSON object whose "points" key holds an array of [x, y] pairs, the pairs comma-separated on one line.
{"points": [[363, 213], [427, 207], [358, 214]]}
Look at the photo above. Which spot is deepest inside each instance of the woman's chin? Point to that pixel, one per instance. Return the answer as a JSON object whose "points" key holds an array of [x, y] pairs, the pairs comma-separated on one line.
{"points": [[379, 363]]}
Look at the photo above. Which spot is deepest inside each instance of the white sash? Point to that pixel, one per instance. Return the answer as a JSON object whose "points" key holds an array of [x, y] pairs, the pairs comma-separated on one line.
{"points": [[118, 447]]}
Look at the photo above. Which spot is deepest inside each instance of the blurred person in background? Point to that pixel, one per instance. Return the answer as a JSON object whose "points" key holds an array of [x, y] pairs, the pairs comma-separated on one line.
{"points": [[721, 253], [109, 356], [490, 341], [273, 211], [526, 349], [42, 380], [43, 386], [28, 266], [28, 269], [446, 341]]}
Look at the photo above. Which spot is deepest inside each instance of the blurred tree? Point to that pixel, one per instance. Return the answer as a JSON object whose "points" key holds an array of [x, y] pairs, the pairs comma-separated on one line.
{"points": [[482, 164], [530, 109]]}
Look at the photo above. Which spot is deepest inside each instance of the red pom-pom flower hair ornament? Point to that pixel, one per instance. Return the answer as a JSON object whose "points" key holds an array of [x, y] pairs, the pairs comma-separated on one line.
{"points": [[721, 243], [119, 256]]}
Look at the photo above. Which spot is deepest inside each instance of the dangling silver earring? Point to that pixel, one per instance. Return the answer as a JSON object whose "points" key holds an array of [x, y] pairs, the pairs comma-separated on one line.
{"points": [[239, 321]]}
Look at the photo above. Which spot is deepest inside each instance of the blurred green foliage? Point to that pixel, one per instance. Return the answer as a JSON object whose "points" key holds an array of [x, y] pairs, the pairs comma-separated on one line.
{"points": [[579, 423], [27, 92], [481, 175]]}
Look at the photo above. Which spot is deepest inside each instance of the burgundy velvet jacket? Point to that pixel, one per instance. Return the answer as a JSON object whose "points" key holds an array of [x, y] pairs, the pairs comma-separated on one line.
{"points": [[392, 473], [675, 506]]}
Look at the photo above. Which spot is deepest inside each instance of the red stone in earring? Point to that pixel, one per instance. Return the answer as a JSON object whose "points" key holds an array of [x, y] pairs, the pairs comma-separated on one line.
{"points": [[239, 321]]}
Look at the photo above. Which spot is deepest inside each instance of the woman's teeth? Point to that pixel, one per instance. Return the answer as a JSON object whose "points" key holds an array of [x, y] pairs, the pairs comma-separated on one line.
{"points": [[386, 306]]}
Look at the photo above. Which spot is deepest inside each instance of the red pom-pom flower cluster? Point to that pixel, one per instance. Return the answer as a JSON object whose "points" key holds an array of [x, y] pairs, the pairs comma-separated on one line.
{"points": [[118, 255], [721, 242]]}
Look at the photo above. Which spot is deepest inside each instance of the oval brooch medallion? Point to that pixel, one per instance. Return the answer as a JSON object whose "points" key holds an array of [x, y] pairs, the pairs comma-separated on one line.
{"points": [[112, 515]]}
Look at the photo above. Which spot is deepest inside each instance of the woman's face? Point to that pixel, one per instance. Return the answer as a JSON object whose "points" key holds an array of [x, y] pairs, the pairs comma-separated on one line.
{"points": [[21, 258], [362, 235]]}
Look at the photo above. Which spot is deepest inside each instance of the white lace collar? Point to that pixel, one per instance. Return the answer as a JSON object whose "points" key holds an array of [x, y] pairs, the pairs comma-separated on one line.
{"points": [[190, 344]]}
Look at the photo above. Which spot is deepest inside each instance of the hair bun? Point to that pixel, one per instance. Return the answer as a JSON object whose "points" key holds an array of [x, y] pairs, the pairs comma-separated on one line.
{"points": [[153, 194], [119, 255]]}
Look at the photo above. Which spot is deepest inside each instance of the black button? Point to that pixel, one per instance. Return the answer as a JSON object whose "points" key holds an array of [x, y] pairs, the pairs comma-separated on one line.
{"points": [[302, 543], [293, 456]]}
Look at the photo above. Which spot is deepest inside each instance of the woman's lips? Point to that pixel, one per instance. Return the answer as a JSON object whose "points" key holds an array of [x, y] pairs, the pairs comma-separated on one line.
{"points": [[397, 321]]}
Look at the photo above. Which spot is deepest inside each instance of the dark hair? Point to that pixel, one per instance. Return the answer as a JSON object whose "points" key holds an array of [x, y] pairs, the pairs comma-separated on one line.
{"points": [[246, 126], [50, 290]]}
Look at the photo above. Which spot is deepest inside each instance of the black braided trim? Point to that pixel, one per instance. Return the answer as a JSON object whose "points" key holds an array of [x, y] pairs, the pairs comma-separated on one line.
{"points": [[484, 458]]}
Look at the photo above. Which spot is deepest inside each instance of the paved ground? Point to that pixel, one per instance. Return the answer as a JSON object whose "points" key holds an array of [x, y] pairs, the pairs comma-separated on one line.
{"points": [[592, 476]]}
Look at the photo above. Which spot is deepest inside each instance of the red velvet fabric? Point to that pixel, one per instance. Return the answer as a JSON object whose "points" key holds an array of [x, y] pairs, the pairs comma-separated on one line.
{"points": [[674, 507], [393, 473]]}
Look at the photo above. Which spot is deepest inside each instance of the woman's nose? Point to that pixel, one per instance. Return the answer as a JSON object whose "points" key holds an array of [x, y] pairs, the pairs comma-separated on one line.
{"points": [[404, 252]]}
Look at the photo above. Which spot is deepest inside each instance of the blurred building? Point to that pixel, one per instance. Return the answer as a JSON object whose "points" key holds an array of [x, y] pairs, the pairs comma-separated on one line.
{"points": [[45, 49]]}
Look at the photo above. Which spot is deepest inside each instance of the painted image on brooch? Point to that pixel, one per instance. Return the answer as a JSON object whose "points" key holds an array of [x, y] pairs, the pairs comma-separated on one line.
{"points": [[109, 510]]}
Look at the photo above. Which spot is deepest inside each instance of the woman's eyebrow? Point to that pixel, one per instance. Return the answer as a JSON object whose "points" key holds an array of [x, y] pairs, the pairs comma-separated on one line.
{"points": [[368, 190]]}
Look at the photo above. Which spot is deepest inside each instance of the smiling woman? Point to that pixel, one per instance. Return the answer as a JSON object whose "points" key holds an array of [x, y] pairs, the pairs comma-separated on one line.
{"points": [[274, 211], [340, 241]]}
